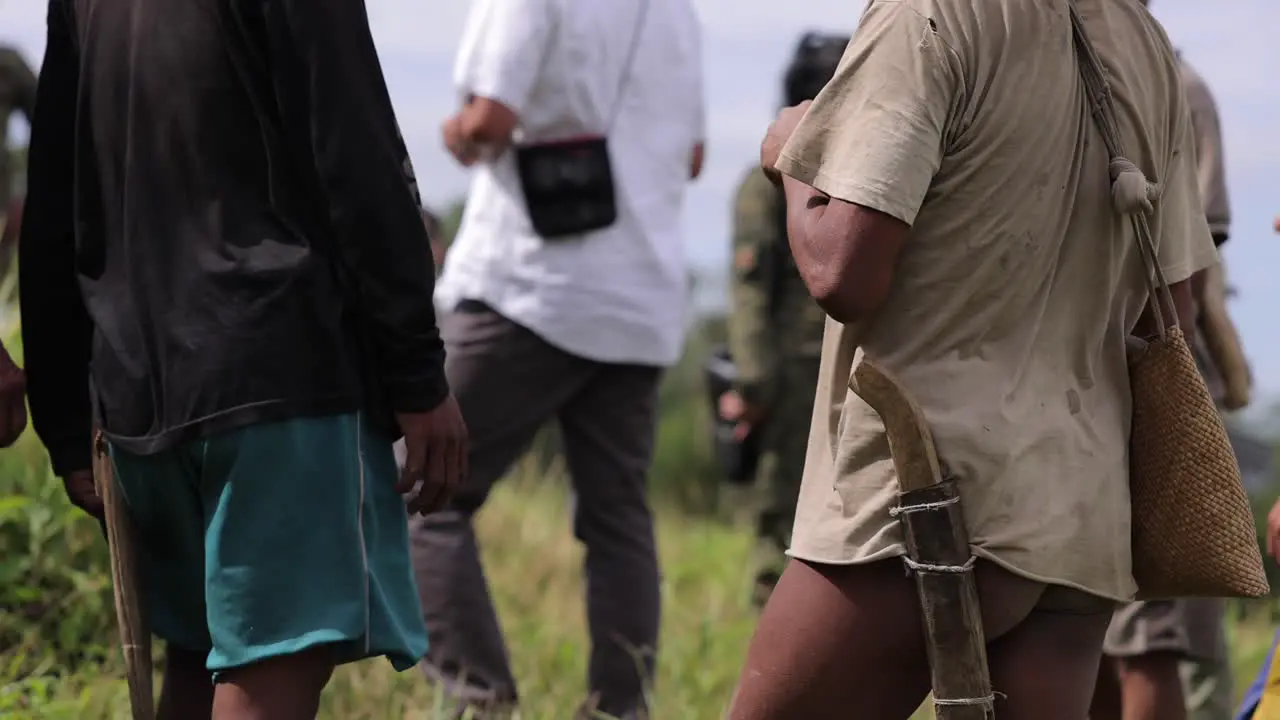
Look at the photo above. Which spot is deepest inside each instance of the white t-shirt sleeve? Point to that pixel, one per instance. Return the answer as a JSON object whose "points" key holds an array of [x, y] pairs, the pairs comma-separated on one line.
{"points": [[502, 50]]}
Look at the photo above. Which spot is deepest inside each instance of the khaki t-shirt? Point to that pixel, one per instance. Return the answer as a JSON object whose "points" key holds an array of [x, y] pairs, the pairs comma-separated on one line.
{"points": [[1018, 285]]}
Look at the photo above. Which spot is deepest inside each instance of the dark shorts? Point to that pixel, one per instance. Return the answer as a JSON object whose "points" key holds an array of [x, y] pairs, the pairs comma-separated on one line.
{"points": [[273, 539], [1189, 627]]}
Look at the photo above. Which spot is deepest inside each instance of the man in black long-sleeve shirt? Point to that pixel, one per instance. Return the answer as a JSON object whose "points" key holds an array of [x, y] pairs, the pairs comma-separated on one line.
{"points": [[224, 268]]}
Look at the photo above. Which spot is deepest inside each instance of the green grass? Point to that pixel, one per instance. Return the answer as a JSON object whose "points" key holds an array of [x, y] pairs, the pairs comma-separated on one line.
{"points": [[57, 625], [534, 565]]}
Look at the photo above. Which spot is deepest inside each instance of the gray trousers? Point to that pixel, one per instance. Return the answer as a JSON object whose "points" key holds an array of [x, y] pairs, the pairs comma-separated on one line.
{"points": [[509, 382]]}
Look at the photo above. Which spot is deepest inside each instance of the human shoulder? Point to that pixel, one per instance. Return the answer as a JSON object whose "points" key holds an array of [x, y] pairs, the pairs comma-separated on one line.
{"points": [[908, 29]]}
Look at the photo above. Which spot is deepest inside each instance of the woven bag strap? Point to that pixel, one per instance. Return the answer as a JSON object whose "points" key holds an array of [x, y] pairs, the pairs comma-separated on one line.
{"points": [[1131, 193]]}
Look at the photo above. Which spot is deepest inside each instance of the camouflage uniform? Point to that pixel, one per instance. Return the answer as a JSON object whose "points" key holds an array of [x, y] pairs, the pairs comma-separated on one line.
{"points": [[775, 336], [17, 94]]}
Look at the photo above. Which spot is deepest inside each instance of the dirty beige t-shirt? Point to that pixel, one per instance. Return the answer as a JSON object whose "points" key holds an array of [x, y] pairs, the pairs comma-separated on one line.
{"points": [[1018, 284]]}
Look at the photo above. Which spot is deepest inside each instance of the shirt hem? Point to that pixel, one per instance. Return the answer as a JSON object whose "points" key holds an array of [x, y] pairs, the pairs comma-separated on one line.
{"points": [[899, 550], [498, 306], [848, 191], [234, 418]]}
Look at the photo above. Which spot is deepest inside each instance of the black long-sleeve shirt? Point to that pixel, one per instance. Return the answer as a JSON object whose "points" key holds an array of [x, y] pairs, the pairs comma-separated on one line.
{"points": [[221, 226]]}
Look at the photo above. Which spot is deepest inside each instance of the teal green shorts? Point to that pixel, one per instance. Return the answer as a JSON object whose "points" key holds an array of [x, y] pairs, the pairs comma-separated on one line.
{"points": [[276, 538]]}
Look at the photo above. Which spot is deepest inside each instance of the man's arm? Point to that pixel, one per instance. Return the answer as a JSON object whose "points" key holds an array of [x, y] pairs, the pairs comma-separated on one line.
{"points": [[1211, 175], [56, 329], [497, 67], [1185, 246], [757, 237], [861, 158], [329, 80]]}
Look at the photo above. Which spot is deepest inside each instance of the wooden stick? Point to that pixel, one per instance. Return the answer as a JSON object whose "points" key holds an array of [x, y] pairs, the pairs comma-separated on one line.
{"points": [[938, 552], [135, 631]]}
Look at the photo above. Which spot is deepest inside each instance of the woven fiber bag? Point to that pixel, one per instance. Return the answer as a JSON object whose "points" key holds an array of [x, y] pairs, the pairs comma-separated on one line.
{"points": [[1193, 530]]}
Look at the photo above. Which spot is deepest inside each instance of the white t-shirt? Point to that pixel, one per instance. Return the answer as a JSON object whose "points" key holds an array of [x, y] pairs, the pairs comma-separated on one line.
{"points": [[615, 295]]}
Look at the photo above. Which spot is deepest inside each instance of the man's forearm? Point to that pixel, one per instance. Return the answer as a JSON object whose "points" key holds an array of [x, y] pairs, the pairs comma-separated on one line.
{"points": [[806, 208], [752, 342], [487, 125]]}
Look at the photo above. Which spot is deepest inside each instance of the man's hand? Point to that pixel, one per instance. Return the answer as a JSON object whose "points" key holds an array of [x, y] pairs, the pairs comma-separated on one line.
{"points": [[464, 151], [779, 133], [735, 409], [435, 455], [83, 493], [13, 403], [1273, 531]]}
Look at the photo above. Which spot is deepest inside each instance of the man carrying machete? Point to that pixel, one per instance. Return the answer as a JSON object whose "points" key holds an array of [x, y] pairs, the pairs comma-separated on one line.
{"points": [[950, 208]]}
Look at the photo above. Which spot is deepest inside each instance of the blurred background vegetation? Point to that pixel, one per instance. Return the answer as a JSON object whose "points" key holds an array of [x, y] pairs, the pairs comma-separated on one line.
{"points": [[57, 630]]}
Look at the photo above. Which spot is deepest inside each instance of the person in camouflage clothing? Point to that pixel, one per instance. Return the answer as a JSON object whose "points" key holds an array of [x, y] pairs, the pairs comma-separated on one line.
{"points": [[775, 334]]}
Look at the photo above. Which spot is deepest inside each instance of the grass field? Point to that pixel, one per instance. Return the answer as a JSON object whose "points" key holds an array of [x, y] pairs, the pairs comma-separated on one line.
{"points": [[57, 628]]}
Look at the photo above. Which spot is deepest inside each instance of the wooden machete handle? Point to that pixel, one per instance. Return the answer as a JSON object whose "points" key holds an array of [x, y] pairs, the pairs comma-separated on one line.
{"points": [[910, 442]]}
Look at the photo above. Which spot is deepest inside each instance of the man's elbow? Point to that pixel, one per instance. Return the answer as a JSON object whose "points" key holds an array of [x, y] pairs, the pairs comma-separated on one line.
{"points": [[848, 300]]}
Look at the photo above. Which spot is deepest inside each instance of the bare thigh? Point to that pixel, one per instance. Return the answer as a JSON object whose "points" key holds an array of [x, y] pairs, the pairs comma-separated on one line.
{"points": [[835, 641], [1046, 667]]}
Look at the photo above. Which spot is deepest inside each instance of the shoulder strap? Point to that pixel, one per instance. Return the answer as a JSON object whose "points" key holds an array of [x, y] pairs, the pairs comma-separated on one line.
{"points": [[1131, 193]]}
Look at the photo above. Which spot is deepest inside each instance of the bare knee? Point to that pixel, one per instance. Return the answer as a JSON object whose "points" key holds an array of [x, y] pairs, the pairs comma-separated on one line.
{"points": [[281, 688]]}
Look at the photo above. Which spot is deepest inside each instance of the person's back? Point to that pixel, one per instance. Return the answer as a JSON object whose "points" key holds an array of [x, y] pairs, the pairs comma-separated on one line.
{"points": [[1020, 283], [213, 258], [951, 203], [592, 316], [225, 271], [616, 294]]}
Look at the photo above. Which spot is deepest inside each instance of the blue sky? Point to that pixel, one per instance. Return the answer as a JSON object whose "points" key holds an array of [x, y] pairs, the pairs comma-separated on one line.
{"points": [[1231, 42]]}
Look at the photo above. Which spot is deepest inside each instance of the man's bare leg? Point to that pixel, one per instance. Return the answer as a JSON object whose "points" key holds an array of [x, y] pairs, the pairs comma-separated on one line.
{"points": [[283, 688], [188, 687], [1046, 667], [836, 638], [832, 639], [1151, 687]]}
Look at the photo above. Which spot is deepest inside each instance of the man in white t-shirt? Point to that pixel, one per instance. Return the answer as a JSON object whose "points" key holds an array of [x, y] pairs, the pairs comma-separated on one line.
{"points": [[572, 329]]}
